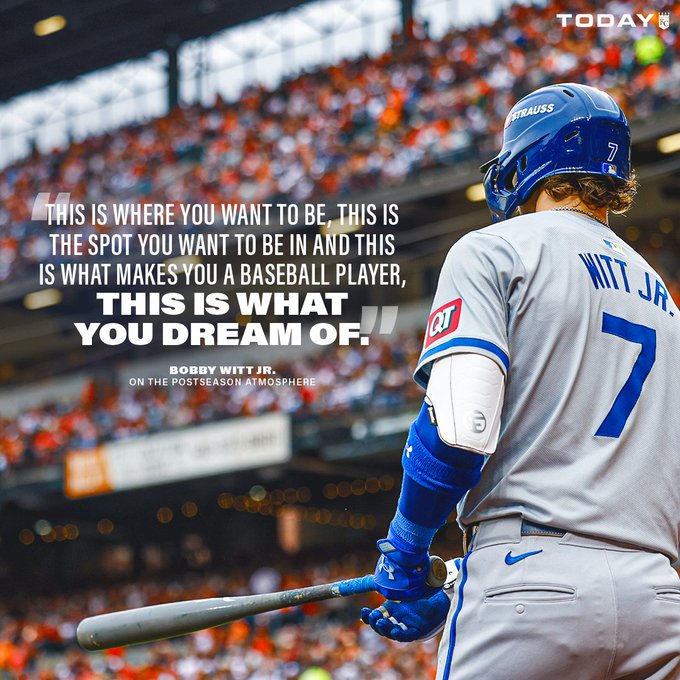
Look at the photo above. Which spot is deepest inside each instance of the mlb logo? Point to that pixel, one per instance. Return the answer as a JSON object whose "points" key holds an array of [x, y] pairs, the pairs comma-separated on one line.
{"points": [[609, 168], [664, 20], [443, 321], [613, 245]]}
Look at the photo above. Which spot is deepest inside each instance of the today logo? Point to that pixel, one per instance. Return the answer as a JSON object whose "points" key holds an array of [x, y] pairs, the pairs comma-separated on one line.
{"points": [[611, 20]]}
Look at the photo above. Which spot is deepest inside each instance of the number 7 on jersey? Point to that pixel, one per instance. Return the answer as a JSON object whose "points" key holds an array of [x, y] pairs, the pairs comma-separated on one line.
{"points": [[615, 421]]}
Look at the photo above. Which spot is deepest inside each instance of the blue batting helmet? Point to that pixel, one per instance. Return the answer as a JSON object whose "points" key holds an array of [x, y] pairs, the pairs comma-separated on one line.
{"points": [[565, 128]]}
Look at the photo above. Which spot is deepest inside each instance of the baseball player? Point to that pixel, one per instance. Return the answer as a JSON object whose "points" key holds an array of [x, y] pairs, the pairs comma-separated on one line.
{"points": [[551, 422]]}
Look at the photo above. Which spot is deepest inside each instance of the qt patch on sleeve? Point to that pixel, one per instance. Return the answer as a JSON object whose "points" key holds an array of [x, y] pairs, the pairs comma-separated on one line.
{"points": [[443, 321]]}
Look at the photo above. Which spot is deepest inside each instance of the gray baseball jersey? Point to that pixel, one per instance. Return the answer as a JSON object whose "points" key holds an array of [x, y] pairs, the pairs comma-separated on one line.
{"points": [[587, 334]]}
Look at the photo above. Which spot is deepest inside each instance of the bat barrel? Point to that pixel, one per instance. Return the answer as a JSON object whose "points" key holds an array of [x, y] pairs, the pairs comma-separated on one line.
{"points": [[157, 622]]}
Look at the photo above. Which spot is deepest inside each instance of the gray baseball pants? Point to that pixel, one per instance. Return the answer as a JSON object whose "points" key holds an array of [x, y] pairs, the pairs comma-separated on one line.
{"points": [[580, 609]]}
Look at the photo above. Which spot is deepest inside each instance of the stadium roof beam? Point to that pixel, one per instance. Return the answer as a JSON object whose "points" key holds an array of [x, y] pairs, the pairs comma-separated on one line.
{"points": [[406, 14], [102, 33], [173, 77]]}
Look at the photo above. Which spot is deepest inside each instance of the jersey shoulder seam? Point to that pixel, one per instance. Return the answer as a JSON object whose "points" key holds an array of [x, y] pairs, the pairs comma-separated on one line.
{"points": [[488, 234]]}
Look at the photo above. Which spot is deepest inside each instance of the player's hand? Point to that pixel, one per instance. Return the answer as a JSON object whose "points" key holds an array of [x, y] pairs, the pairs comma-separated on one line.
{"points": [[402, 572], [409, 621]]}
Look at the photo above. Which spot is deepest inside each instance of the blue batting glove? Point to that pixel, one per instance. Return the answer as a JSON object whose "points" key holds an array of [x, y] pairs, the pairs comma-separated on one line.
{"points": [[401, 572], [409, 621]]}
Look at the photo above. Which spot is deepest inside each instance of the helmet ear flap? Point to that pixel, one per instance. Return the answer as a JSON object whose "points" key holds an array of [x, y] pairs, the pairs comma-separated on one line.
{"points": [[513, 177]]}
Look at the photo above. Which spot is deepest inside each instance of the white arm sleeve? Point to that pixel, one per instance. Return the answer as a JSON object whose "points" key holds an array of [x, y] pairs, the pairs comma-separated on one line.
{"points": [[466, 395]]}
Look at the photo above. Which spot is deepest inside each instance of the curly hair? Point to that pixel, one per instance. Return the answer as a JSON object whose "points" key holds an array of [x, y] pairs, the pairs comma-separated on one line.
{"points": [[596, 191]]}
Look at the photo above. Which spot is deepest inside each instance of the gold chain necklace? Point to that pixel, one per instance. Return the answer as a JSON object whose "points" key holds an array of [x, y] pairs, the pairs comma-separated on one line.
{"points": [[584, 212]]}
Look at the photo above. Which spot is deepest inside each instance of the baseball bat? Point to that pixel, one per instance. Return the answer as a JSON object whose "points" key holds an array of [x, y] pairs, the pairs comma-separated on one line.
{"points": [[161, 621]]}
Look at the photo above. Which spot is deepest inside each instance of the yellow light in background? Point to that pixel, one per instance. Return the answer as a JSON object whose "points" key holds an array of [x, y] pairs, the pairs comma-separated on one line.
{"points": [[666, 225], [26, 536], [225, 500], [189, 509], [330, 491], [49, 25], [42, 298], [71, 532], [632, 233], [164, 515], [335, 227], [387, 482], [656, 241], [182, 260], [669, 144], [475, 193], [372, 485], [105, 526]]}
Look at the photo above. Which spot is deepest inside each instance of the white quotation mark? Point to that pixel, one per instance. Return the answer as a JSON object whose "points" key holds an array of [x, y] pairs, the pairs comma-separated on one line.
{"points": [[42, 200]]}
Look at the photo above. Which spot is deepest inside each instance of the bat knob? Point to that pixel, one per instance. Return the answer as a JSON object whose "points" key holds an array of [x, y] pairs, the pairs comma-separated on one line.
{"points": [[438, 572]]}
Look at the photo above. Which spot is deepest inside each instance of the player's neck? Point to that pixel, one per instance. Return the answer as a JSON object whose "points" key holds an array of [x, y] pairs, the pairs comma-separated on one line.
{"points": [[545, 202]]}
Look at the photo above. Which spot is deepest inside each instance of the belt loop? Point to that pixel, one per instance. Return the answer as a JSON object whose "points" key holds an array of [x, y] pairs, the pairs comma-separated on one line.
{"points": [[493, 532]]}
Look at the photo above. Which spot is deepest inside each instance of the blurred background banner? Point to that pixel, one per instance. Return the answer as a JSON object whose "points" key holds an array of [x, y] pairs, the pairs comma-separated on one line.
{"points": [[117, 490], [164, 457]]}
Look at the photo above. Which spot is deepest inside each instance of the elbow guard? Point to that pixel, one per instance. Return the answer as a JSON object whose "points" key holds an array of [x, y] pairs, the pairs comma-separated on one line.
{"points": [[437, 466], [466, 393]]}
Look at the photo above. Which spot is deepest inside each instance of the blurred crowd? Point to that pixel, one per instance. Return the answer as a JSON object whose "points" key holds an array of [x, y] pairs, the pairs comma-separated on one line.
{"points": [[351, 126], [339, 130], [345, 379], [323, 641]]}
